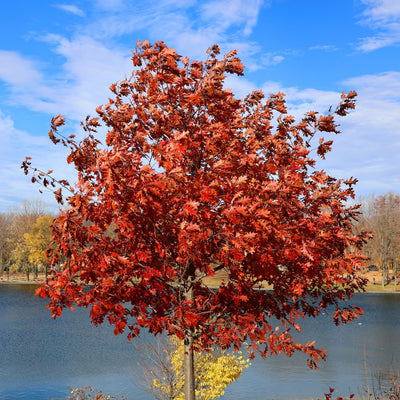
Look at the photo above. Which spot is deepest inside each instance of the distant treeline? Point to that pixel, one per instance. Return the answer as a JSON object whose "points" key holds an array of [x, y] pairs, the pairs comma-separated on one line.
{"points": [[25, 235]]}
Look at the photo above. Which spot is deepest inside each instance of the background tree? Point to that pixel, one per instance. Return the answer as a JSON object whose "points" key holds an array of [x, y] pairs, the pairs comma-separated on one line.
{"points": [[192, 180], [381, 215], [160, 370], [20, 259], [22, 218], [38, 241], [4, 243]]}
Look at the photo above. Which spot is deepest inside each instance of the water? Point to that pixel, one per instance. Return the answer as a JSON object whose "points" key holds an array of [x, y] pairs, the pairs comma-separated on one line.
{"points": [[41, 359]]}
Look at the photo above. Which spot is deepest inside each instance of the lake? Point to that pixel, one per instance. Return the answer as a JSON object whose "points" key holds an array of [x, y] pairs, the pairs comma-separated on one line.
{"points": [[41, 358]]}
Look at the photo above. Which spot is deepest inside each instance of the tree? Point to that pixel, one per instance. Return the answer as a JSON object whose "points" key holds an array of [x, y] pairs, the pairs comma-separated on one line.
{"points": [[4, 243], [160, 370], [193, 181], [20, 253], [381, 215], [38, 240], [22, 218]]}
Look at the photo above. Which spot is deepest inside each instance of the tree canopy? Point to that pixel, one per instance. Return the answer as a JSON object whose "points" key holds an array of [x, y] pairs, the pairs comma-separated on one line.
{"points": [[191, 181]]}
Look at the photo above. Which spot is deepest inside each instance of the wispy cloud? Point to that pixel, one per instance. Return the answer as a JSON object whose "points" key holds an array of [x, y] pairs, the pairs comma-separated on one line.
{"points": [[325, 47], [239, 12], [369, 144], [71, 9], [270, 59], [110, 5], [192, 26], [383, 16], [79, 85], [25, 81], [90, 67], [17, 70], [382, 10], [92, 62], [16, 145]]}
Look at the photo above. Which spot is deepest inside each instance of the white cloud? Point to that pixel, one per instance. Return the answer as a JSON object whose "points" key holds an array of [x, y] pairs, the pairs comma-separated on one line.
{"points": [[80, 84], [369, 143], [269, 59], [240, 86], [384, 39], [16, 70], [324, 47], [71, 9], [382, 16], [91, 62], [16, 145], [193, 42], [25, 82], [242, 12], [192, 26], [382, 10], [110, 5], [158, 19], [378, 103], [89, 69], [300, 101]]}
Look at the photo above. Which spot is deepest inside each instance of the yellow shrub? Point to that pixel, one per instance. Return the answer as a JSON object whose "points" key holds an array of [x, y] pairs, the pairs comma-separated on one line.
{"points": [[214, 371]]}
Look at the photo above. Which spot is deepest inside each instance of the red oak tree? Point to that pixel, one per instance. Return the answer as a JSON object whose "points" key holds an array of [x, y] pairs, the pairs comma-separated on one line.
{"points": [[190, 181]]}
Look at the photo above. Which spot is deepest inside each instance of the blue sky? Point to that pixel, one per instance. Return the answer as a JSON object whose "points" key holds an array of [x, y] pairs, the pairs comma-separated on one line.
{"points": [[60, 57]]}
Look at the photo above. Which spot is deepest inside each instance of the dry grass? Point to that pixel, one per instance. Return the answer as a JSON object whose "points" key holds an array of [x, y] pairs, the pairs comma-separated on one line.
{"points": [[17, 277], [374, 282]]}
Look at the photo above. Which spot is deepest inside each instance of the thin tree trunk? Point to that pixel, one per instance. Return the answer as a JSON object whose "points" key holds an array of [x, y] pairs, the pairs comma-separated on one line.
{"points": [[387, 274], [188, 367], [188, 359]]}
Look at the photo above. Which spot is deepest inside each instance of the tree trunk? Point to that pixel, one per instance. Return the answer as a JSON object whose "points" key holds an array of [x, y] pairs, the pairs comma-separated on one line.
{"points": [[383, 275], [1, 265], [387, 280], [188, 367], [188, 359]]}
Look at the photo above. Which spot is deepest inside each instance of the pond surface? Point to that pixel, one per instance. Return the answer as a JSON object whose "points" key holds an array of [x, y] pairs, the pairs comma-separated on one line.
{"points": [[41, 358]]}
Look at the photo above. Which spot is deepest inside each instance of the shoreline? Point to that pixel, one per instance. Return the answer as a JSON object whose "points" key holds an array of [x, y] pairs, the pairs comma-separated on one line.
{"points": [[370, 289], [374, 281]]}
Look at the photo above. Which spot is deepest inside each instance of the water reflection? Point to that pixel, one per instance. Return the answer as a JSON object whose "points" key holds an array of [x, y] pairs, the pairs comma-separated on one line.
{"points": [[41, 358]]}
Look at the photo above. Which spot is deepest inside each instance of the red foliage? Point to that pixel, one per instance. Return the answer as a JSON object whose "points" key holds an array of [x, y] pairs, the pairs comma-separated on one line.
{"points": [[190, 181]]}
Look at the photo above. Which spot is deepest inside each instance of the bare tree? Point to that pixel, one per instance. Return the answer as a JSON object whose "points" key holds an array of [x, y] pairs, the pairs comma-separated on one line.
{"points": [[381, 215], [155, 361], [5, 222]]}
